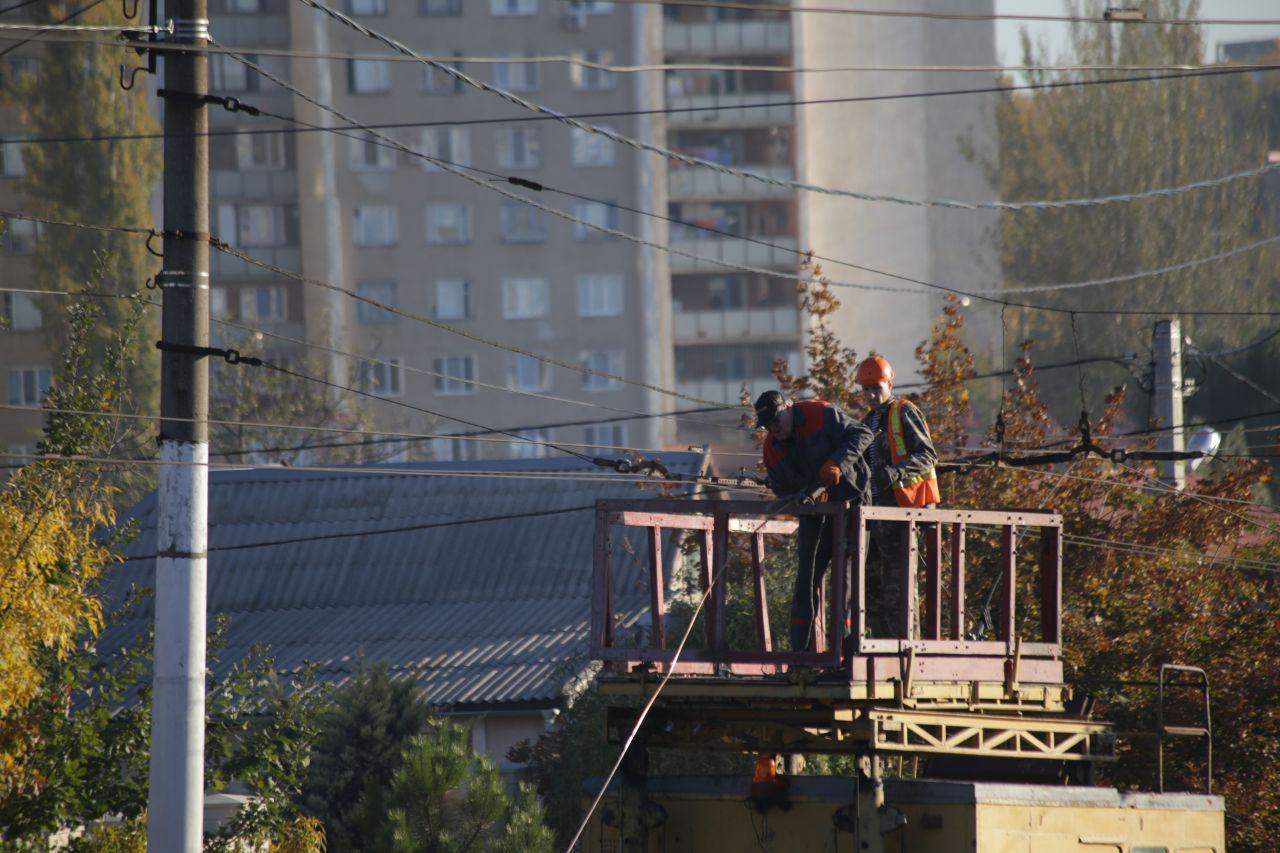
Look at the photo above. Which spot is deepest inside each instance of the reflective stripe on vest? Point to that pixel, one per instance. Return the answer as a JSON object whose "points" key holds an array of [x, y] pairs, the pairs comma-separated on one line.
{"points": [[919, 490]]}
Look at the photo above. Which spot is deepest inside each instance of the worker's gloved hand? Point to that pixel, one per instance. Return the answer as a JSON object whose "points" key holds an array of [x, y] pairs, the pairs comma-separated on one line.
{"points": [[815, 494], [887, 476], [829, 474]]}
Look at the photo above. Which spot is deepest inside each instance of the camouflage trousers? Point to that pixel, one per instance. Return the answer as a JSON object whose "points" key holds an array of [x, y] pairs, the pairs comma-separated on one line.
{"points": [[884, 579]]}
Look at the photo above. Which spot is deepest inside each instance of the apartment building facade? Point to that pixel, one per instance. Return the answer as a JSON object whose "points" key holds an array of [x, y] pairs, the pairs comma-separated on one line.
{"points": [[24, 351], [394, 227], [400, 230], [730, 328]]}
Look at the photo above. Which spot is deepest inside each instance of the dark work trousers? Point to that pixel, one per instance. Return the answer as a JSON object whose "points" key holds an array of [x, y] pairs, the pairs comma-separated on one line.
{"points": [[813, 552], [884, 575]]}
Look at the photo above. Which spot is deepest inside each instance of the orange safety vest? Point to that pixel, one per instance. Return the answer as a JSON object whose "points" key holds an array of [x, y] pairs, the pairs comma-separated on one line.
{"points": [[919, 490]]}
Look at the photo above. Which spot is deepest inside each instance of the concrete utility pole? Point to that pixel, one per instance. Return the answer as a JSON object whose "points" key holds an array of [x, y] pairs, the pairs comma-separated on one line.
{"points": [[1166, 344], [176, 803]]}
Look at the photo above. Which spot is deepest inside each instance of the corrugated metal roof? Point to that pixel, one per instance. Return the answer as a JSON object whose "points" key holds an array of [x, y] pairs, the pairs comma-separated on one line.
{"points": [[478, 614]]}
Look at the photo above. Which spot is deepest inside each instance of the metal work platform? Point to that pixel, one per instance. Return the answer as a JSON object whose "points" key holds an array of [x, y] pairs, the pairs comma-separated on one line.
{"points": [[930, 690]]}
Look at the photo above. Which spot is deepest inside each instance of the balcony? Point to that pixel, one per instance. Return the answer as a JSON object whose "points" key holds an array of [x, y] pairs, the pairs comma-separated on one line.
{"points": [[700, 182], [726, 390], [728, 37], [721, 326], [737, 109], [781, 255]]}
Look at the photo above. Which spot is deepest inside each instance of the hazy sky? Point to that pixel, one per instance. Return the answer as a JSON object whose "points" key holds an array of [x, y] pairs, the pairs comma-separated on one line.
{"points": [[1007, 31]]}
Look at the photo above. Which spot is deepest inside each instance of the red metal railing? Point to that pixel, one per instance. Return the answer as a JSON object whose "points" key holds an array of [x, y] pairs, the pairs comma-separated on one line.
{"points": [[1009, 657]]}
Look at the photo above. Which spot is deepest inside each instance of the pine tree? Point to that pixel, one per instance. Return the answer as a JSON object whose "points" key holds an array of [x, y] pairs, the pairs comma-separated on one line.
{"points": [[372, 720]]}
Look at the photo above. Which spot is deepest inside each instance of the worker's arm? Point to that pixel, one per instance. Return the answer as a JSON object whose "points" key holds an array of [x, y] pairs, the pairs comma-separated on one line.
{"points": [[849, 437], [921, 456]]}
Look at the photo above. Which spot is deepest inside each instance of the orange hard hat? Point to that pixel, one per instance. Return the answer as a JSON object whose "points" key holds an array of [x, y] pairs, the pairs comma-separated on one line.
{"points": [[873, 371]]}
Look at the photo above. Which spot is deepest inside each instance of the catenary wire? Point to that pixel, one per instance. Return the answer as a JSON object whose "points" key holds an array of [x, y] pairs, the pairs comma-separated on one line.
{"points": [[569, 59], [74, 13], [1214, 72], [948, 16], [678, 156], [632, 414], [460, 170], [16, 6]]}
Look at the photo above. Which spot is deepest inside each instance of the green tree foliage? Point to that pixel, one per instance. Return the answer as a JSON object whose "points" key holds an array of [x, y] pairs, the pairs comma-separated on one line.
{"points": [[446, 798], [363, 734], [1109, 139], [1162, 595], [89, 730], [104, 183], [49, 550], [75, 725]]}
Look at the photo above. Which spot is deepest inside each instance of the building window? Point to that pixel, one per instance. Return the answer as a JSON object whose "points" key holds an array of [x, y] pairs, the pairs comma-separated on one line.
{"points": [[219, 303], [504, 8], [378, 291], [254, 225], [437, 82], [368, 76], [453, 449], [597, 213], [516, 76], [375, 225], [592, 149], [368, 153], [518, 148], [228, 74], [525, 298], [601, 362], [599, 295], [449, 144], [19, 237], [382, 378], [263, 303], [11, 164], [453, 300], [590, 7], [260, 152], [532, 446], [526, 373], [611, 436], [244, 7], [21, 314], [586, 76], [369, 8], [455, 374], [440, 8], [28, 386], [448, 224], [521, 223]]}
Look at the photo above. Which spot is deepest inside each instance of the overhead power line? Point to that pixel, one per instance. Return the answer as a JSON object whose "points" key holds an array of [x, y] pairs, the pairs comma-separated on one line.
{"points": [[463, 171], [518, 119], [1110, 17], [615, 68], [86, 28], [74, 13], [689, 159]]}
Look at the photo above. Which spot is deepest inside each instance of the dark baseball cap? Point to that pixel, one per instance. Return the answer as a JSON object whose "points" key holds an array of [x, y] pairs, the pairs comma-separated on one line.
{"points": [[768, 405]]}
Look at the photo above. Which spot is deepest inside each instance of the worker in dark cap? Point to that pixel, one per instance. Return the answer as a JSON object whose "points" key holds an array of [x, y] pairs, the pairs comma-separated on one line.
{"points": [[813, 451]]}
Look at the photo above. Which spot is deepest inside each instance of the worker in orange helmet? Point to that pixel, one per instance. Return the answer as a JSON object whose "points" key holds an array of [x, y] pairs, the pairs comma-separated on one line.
{"points": [[813, 450], [902, 460]]}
